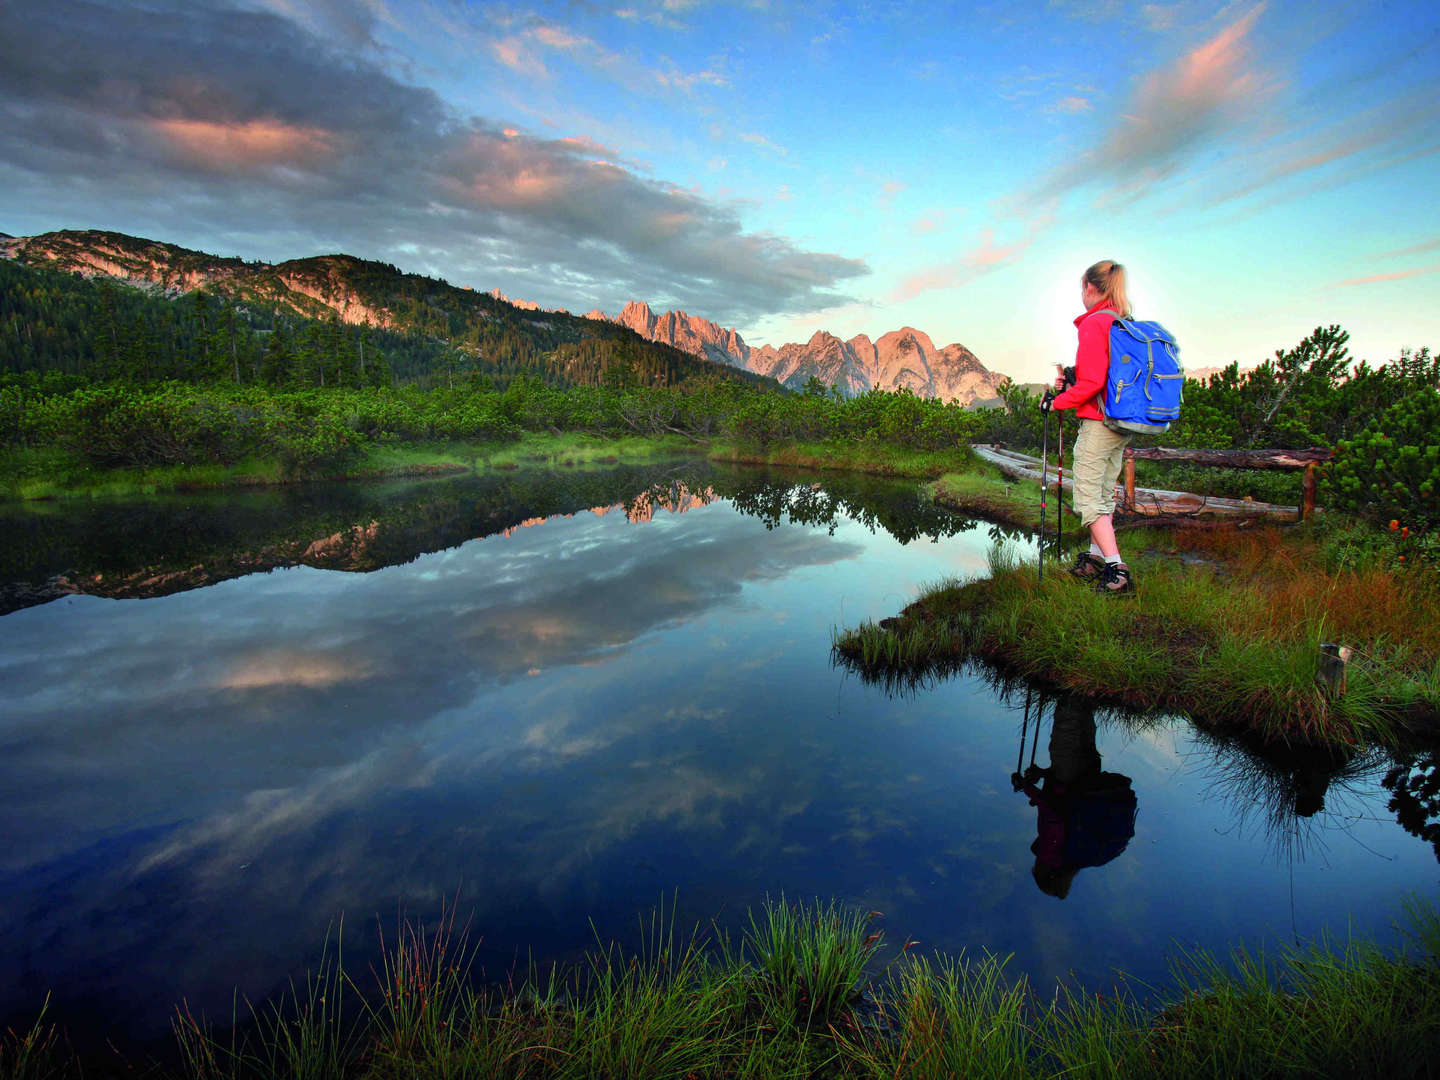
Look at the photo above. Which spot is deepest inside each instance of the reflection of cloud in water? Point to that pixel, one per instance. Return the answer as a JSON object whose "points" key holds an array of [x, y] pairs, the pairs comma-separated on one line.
{"points": [[277, 669], [153, 702]]}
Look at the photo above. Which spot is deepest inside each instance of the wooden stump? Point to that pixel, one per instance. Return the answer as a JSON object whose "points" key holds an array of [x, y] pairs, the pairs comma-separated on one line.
{"points": [[1334, 661]]}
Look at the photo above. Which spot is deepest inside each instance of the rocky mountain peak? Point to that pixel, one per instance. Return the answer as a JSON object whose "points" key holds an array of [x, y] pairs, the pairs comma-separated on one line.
{"points": [[905, 357]]}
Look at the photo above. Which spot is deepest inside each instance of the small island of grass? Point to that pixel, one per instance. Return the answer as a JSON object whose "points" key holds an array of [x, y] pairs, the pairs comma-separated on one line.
{"points": [[1225, 627]]}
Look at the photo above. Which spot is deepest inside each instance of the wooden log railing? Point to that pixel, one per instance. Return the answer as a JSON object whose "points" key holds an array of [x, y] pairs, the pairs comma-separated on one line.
{"points": [[1151, 502], [1288, 460]]}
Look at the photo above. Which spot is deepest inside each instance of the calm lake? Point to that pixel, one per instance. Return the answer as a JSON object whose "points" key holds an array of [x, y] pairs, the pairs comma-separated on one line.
{"points": [[555, 699]]}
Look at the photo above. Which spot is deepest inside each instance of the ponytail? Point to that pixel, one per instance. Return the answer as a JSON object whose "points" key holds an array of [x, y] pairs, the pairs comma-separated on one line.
{"points": [[1109, 277]]}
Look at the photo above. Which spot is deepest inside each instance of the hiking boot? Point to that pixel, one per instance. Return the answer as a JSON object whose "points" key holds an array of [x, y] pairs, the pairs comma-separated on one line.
{"points": [[1115, 580], [1088, 566]]}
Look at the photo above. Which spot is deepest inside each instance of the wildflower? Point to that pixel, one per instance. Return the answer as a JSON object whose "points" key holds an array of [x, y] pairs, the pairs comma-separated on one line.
{"points": [[1404, 532], [1394, 524], [1402, 558]]}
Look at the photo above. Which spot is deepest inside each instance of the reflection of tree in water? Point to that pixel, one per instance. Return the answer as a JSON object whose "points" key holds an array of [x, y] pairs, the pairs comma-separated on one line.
{"points": [[121, 548], [1414, 785], [1297, 793], [900, 509]]}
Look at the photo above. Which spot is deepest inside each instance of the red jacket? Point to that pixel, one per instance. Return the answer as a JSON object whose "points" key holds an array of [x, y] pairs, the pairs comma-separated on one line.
{"points": [[1092, 366]]}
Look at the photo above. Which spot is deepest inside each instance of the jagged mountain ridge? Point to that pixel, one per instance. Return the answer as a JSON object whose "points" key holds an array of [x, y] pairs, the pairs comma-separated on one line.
{"points": [[904, 358]]}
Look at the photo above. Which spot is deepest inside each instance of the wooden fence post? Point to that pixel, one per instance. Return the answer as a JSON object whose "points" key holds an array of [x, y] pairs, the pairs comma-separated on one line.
{"points": [[1307, 501]]}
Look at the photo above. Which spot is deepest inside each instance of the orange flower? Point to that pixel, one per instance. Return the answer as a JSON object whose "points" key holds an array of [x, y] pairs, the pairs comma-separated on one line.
{"points": [[1394, 524], [1404, 532], [1402, 558]]}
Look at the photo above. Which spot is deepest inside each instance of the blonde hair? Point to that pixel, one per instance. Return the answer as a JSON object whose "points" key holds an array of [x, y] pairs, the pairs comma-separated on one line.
{"points": [[1109, 277]]}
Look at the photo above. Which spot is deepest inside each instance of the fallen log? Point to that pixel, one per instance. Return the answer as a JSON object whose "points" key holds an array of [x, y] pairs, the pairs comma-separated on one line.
{"points": [[1148, 502]]}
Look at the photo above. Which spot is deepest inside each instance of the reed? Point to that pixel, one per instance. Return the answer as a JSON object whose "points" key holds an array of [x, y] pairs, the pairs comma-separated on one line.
{"points": [[789, 999], [303, 1034], [809, 959], [36, 1053]]}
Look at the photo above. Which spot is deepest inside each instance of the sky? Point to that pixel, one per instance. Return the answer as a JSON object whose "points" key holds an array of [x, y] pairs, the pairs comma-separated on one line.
{"points": [[1261, 169]]}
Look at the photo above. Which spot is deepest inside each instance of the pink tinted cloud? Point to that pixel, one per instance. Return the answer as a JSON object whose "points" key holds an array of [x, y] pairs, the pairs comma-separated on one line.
{"points": [[1396, 276], [981, 259], [244, 145], [763, 143], [927, 224], [1174, 111], [888, 193], [1072, 105], [1416, 249]]}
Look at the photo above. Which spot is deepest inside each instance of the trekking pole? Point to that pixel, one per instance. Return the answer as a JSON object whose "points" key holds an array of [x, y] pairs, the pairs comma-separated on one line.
{"points": [[1036, 744], [1044, 482], [1060, 491], [1024, 731]]}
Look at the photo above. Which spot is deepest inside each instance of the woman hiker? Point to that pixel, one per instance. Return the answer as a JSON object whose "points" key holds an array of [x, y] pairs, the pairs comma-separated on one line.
{"points": [[1098, 449]]}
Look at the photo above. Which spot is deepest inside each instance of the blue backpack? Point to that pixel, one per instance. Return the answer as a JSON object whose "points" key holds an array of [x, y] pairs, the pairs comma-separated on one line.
{"points": [[1145, 384]]}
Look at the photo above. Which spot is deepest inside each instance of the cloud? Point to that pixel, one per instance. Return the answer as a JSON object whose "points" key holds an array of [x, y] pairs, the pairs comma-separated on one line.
{"points": [[1173, 113], [889, 191], [1160, 17], [243, 146], [1415, 249], [932, 222], [1071, 105], [665, 13], [672, 78], [524, 41], [981, 259], [1395, 276], [350, 20], [1091, 11], [763, 143], [1394, 124], [241, 123]]}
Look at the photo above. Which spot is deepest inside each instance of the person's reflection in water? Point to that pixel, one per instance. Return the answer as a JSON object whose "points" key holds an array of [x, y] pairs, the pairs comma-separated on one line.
{"points": [[1086, 816]]}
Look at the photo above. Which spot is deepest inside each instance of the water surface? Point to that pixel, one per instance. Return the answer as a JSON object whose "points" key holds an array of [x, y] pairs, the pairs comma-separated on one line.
{"points": [[563, 698]]}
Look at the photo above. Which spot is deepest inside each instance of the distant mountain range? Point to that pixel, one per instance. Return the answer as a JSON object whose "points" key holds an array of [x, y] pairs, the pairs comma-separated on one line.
{"points": [[902, 359], [380, 295]]}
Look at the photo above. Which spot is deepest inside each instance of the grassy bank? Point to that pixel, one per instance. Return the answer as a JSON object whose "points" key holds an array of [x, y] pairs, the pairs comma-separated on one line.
{"points": [[867, 457], [52, 473], [984, 492], [790, 999], [1225, 626]]}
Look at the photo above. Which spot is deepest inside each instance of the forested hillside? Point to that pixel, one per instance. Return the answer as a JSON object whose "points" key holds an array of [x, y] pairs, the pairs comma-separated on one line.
{"points": [[161, 313]]}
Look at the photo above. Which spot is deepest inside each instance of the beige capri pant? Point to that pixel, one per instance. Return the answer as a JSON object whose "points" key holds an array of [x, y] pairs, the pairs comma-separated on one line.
{"points": [[1098, 455]]}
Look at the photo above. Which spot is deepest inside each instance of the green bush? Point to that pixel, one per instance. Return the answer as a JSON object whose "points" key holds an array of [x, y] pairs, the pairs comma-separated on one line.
{"points": [[112, 425], [1391, 469]]}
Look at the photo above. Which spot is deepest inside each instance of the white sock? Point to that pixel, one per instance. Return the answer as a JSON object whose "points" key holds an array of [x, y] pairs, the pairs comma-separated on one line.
{"points": [[1095, 550], [1114, 560]]}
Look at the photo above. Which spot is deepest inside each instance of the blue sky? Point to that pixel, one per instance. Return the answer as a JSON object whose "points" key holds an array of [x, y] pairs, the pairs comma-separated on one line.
{"points": [[1262, 169]]}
